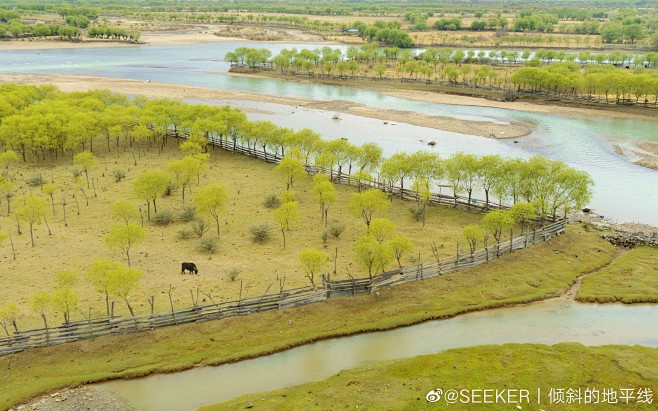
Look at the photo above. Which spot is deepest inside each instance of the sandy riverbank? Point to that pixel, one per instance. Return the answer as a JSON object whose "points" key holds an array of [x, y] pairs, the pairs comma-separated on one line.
{"points": [[648, 154], [440, 98], [190, 35], [82, 83]]}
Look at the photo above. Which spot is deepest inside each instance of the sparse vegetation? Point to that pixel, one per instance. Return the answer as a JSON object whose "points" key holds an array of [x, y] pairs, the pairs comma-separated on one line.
{"points": [[163, 218], [272, 201], [188, 214], [185, 233], [233, 274], [260, 234], [208, 244], [336, 228], [118, 175], [200, 227], [36, 181]]}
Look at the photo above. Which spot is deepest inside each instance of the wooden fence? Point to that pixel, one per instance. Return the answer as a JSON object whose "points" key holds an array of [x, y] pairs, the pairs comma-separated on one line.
{"points": [[96, 327]]}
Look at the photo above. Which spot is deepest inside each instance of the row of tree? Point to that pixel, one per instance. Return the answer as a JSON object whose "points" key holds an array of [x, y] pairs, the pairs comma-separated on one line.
{"points": [[561, 79], [567, 79], [372, 54], [60, 121]]}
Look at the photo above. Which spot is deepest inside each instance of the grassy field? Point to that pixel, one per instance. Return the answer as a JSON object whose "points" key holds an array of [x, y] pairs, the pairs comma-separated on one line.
{"points": [[632, 278], [76, 246], [535, 273], [403, 384]]}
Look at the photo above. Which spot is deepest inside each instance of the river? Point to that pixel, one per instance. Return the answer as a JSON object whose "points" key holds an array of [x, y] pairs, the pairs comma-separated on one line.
{"points": [[624, 192], [546, 322]]}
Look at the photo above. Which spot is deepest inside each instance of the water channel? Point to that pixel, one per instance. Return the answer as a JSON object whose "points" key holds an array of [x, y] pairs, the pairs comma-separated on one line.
{"points": [[623, 191], [547, 322]]}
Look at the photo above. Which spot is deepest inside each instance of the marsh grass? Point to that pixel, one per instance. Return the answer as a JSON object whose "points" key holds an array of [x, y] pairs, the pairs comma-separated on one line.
{"points": [[403, 384], [632, 278]]}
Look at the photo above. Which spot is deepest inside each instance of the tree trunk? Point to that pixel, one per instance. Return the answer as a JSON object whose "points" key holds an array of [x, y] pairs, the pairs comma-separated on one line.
{"points": [[129, 307]]}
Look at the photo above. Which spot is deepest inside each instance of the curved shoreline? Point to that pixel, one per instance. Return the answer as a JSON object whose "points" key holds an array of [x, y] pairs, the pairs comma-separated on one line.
{"points": [[78, 390]]}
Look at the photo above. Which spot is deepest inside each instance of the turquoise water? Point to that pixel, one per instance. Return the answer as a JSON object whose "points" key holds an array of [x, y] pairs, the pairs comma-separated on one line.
{"points": [[623, 191], [547, 322]]}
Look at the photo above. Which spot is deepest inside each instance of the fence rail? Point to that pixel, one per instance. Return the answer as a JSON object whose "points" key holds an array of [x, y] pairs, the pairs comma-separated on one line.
{"points": [[97, 327]]}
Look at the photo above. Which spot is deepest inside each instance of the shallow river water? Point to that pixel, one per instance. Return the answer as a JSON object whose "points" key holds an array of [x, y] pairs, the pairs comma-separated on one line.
{"points": [[623, 191], [547, 322]]}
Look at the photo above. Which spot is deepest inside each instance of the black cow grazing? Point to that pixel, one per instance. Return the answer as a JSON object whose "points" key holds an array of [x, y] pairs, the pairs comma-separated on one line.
{"points": [[191, 267]]}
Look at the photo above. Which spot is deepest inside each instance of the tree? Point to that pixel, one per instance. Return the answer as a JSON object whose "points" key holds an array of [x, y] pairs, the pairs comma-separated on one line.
{"points": [[489, 172], [40, 304], [286, 215], [371, 254], [149, 186], [64, 299], [100, 277], [49, 189], [498, 221], [570, 189], [312, 262], [422, 187], [6, 159], [86, 161], [473, 235], [9, 315], [211, 199], [32, 210], [125, 210], [324, 192], [370, 156], [522, 212], [367, 203], [7, 190], [184, 171], [123, 237], [612, 32], [290, 169], [398, 167], [399, 246], [123, 281], [381, 229]]}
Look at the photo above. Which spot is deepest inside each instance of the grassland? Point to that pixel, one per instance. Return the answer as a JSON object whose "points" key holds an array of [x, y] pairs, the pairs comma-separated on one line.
{"points": [[541, 271], [632, 278], [403, 384], [76, 246]]}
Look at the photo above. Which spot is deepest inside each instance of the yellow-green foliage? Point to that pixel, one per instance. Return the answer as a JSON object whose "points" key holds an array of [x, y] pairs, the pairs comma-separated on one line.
{"points": [[632, 278], [403, 384]]}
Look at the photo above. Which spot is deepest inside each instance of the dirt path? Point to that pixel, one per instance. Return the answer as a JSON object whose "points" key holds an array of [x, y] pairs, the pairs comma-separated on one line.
{"points": [[571, 292], [85, 398]]}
